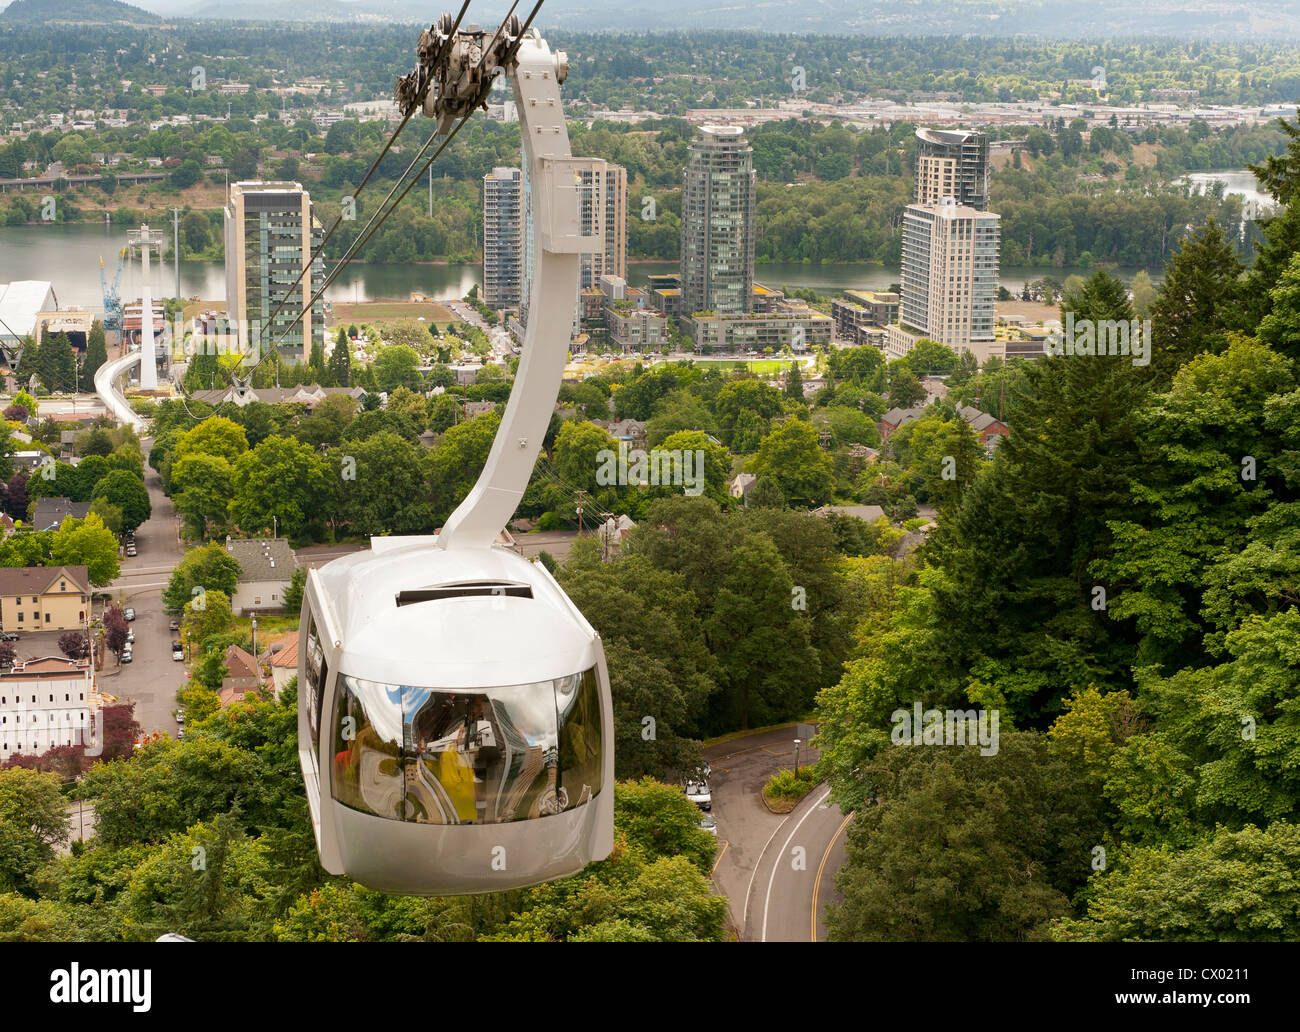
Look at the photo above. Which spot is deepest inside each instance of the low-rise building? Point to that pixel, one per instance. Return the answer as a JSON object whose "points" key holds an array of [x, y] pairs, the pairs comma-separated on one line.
{"points": [[632, 328], [266, 567], [989, 429], [776, 330], [739, 487], [861, 317], [44, 598], [45, 703], [897, 417], [870, 513], [50, 513], [311, 396], [243, 676], [284, 661]]}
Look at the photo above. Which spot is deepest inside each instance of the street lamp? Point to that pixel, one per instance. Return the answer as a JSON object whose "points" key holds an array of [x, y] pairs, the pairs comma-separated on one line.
{"points": [[255, 636], [797, 743]]}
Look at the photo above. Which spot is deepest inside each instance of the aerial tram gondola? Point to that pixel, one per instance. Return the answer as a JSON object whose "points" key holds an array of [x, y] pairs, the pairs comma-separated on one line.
{"points": [[455, 724]]}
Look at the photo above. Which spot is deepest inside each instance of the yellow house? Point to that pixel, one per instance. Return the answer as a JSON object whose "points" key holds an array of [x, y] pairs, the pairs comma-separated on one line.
{"points": [[44, 598]]}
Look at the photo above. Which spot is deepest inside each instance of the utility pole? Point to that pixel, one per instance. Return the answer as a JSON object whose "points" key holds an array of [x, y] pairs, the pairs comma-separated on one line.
{"points": [[176, 247], [430, 191]]}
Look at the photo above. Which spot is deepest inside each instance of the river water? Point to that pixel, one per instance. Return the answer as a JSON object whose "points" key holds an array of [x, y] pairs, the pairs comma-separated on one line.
{"points": [[1238, 181], [68, 256]]}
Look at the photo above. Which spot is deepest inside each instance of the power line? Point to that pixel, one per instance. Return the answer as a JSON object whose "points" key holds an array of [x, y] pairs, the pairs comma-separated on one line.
{"points": [[372, 227], [366, 178]]}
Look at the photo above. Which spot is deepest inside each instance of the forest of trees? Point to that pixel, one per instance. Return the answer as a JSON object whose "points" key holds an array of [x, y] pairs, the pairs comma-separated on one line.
{"points": [[1120, 584]]}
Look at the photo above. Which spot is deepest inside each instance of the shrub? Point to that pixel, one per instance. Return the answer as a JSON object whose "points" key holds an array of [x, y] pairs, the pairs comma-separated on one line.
{"points": [[785, 788]]}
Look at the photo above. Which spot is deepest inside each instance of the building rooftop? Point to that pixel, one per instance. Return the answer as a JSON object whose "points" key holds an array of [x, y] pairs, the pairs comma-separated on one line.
{"points": [[51, 512], [870, 513], [20, 302], [34, 580], [263, 559]]}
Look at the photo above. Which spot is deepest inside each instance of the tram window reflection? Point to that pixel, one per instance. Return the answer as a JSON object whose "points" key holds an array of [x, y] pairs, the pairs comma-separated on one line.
{"points": [[368, 750], [317, 672], [577, 703], [468, 757]]}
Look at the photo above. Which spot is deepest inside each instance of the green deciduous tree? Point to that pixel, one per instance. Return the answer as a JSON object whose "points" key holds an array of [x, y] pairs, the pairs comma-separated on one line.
{"points": [[279, 479], [128, 493], [1231, 886], [209, 567], [33, 821], [791, 457]]}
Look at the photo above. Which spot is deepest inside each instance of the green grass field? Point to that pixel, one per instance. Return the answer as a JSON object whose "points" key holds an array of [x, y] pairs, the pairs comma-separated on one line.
{"points": [[379, 311], [762, 366]]}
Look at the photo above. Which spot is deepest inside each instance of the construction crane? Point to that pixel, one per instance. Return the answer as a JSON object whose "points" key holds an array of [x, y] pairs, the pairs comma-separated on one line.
{"points": [[112, 295]]}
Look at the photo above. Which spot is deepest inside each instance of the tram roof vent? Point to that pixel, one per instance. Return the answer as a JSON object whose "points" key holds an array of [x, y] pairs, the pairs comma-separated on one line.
{"points": [[464, 589]]}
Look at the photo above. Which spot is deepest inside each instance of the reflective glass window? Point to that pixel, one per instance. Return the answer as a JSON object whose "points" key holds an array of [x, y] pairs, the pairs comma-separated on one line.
{"points": [[317, 672], [489, 756]]}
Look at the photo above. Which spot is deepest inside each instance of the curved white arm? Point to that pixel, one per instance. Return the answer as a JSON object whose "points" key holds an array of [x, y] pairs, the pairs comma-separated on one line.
{"points": [[557, 242]]}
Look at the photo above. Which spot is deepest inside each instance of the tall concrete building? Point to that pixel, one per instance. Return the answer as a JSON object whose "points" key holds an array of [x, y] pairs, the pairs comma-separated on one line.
{"points": [[952, 163], [602, 209], [271, 231], [718, 208], [502, 237], [950, 278]]}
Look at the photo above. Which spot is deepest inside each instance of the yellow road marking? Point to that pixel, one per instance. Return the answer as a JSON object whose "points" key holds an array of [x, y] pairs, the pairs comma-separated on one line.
{"points": [[822, 866], [714, 869]]}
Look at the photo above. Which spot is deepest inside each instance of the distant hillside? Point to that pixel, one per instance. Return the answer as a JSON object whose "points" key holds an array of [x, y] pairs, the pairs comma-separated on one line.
{"points": [[83, 12], [1093, 19]]}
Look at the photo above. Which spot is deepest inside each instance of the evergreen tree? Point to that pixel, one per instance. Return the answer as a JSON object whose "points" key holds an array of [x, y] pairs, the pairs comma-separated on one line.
{"points": [[1015, 600], [1280, 173], [794, 382], [317, 371], [341, 361], [96, 356], [1197, 302], [1272, 255], [56, 363]]}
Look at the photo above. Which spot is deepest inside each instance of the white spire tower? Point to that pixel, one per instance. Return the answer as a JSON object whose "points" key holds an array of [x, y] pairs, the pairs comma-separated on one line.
{"points": [[142, 239]]}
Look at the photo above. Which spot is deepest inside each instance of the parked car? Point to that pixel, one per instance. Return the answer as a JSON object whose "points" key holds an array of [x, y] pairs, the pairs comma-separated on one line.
{"points": [[130, 551], [698, 793], [178, 653], [129, 613], [126, 656], [180, 734], [707, 823], [9, 636], [174, 625], [130, 636]]}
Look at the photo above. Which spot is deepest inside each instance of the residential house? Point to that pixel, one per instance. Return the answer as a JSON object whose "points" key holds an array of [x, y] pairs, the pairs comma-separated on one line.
{"points": [[870, 513], [896, 417], [284, 661], [612, 532], [266, 566], [739, 488], [50, 513], [987, 428], [243, 676], [630, 430], [44, 598]]}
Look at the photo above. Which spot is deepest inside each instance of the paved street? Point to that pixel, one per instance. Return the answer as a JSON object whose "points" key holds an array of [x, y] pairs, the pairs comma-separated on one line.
{"points": [[755, 867], [154, 677]]}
